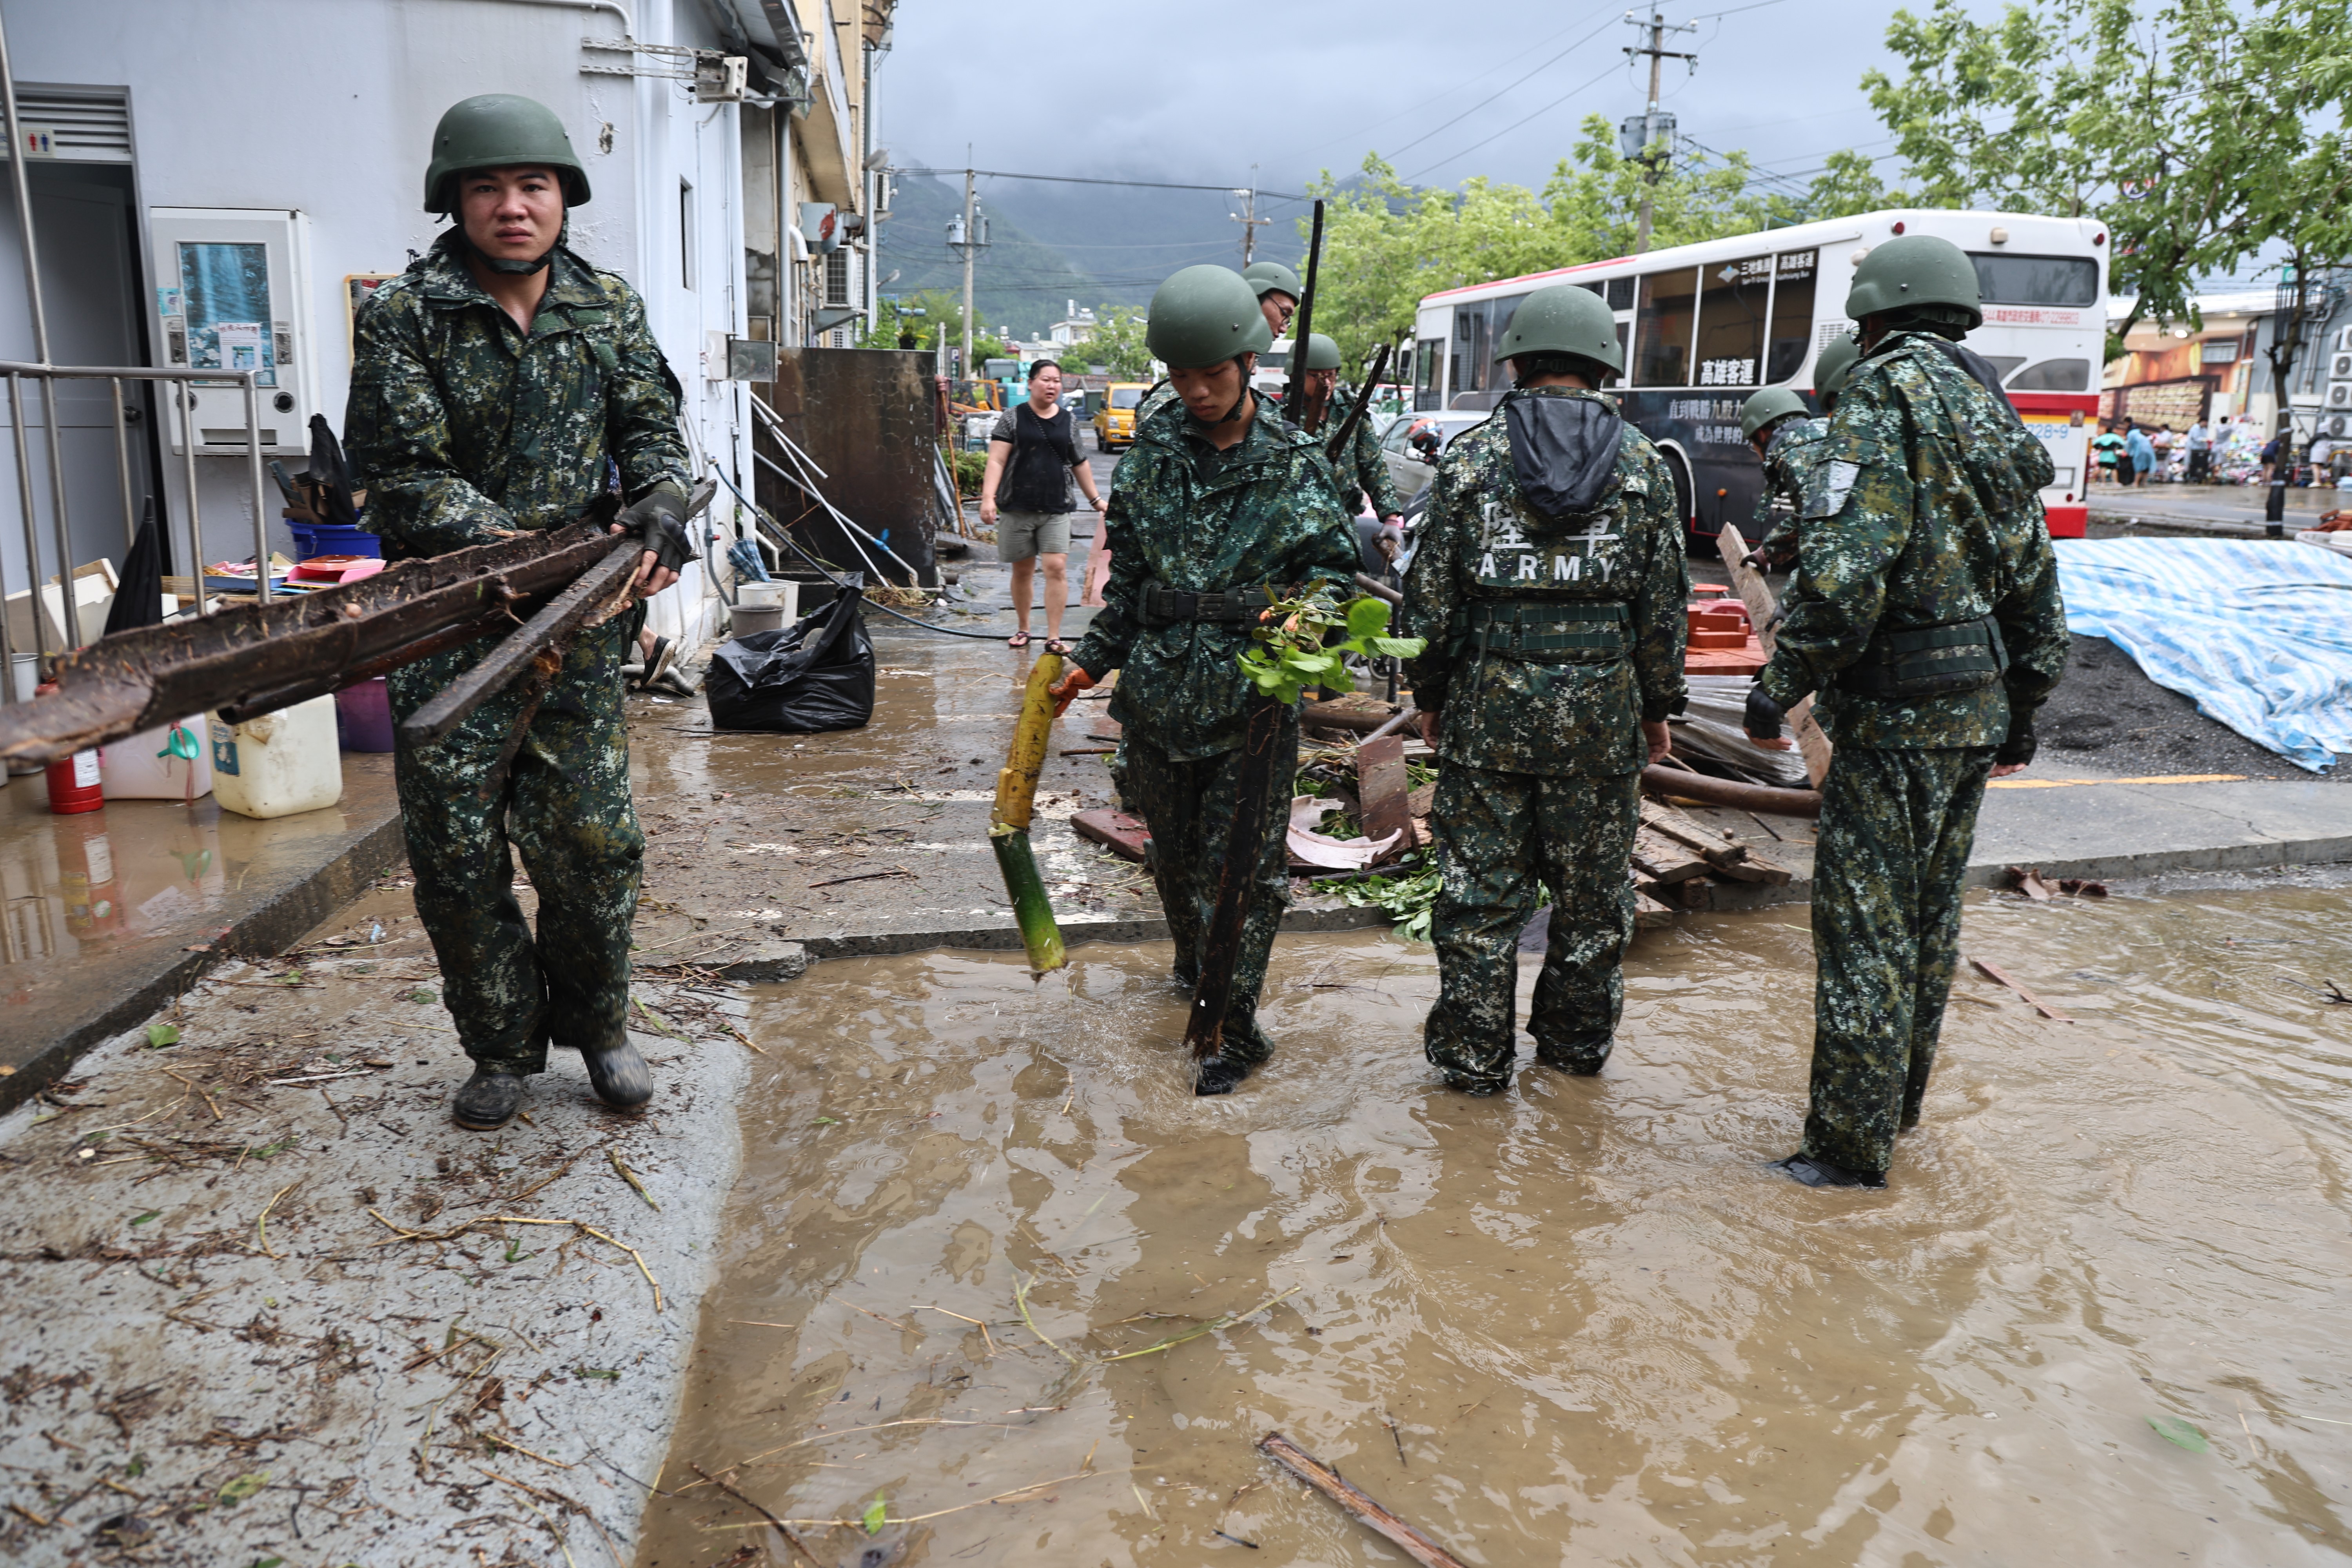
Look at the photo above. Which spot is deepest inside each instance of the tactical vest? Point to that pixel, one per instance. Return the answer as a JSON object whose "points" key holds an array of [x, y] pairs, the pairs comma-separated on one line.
{"points": [[1520, 605]]}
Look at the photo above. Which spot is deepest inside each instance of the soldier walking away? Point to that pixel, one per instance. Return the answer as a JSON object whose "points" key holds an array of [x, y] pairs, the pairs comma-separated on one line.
{"points": [[1550, 587], [493, 384], [1217, 500], [1925, 618], [1789, 440], [1322, 404]]}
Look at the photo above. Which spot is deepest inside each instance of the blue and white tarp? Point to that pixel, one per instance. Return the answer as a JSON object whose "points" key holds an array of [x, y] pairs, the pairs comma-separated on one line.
{"points": [[2259, 634]]}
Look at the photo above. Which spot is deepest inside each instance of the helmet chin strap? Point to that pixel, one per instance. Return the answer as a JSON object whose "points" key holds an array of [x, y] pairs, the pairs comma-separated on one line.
{"points": [[1235, 411]]}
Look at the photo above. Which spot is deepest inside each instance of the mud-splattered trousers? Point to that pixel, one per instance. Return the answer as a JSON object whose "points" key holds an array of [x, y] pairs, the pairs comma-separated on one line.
{"points": [[1498, 836], [1895, 829], [562, 801], [1189, 804]]}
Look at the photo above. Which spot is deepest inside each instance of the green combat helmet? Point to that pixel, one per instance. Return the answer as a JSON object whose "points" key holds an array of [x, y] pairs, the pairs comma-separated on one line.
{"points": [[1272, 277], [1767, 408], [1322, 352], [1830, 366], [500, 130], [1919, 275], [1204, 316], [1564, 320]]}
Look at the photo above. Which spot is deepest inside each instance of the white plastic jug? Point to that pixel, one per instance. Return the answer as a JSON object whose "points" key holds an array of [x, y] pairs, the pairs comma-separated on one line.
{"points": [[280, 764], [150, 766]]}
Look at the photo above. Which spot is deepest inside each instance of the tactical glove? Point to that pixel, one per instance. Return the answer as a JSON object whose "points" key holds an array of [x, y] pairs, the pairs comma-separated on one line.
{"points": [[1763, 715], [2018, 749], [658, 519], [1065, 690]]}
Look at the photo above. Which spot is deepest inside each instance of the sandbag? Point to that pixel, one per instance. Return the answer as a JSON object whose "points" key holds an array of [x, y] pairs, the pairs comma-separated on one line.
{"points": [[815, 675]]}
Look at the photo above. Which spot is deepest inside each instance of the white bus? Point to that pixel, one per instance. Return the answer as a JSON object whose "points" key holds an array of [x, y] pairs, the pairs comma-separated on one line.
{"points": [[1704, 325]]}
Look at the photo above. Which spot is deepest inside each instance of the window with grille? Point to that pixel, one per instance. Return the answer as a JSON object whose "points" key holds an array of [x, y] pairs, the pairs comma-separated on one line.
{"points": [[836, 278]]}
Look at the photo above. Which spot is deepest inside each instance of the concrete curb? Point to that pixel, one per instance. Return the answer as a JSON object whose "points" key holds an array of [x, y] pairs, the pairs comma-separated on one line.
{"points": [[268, 928]]}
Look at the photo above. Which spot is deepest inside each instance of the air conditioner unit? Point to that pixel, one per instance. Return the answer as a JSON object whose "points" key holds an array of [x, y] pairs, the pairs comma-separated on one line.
{"points": [[2339, 397], [2336, 426], [2339, 366], [2344, 340]]}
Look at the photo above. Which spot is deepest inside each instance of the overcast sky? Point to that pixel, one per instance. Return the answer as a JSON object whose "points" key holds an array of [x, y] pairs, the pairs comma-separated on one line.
{"points": [[1199, 91]]}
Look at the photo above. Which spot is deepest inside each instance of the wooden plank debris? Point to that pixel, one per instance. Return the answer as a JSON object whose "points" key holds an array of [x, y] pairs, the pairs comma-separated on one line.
{"points": [[1756, 594], [1363, 1509], [1116, 831], [1994, 972], [1384, 791]]}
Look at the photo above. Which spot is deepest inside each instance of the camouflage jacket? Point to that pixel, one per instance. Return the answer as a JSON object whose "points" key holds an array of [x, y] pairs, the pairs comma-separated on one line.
{"points": [[1482, 541], [1188, 516], [1921, 512], [460, 422], [1359, 470], [1789, 459]]}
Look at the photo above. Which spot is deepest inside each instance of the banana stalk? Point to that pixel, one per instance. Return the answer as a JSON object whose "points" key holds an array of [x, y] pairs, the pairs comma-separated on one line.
{"points": [[1008, 831]]}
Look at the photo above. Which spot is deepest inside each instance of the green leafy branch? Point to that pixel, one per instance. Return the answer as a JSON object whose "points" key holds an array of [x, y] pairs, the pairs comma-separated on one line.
{"points": [[1289, 650]]}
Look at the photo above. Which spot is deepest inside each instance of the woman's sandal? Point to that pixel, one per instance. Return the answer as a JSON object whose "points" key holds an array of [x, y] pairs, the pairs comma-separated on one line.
{"points": [[1055, 645], [1018, 639]]}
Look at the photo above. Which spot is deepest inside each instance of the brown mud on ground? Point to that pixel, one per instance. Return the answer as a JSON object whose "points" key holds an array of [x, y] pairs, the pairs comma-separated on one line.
{"points": [[2098, 1316]]}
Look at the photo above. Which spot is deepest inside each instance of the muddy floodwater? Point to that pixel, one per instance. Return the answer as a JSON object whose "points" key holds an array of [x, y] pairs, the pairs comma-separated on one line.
{"points": [[2100, 1315]]}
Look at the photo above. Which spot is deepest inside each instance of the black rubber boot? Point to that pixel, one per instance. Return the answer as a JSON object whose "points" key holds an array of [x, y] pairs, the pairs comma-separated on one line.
{"points": [[1476, 1088], [1814, 1172], [487, 1101], [621, 1078], [1220, 1075]]}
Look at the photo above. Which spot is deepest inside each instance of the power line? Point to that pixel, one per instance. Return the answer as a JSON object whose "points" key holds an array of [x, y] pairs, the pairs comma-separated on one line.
{"points": [[1507, 129], [1083, 179], [1501, 92]]}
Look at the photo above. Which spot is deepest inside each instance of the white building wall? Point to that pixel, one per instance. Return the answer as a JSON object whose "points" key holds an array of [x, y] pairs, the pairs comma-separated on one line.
{"points": [[328, 107]]}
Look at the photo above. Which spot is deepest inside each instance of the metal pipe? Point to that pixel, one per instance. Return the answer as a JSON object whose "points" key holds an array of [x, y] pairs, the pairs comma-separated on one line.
{"points": [[187, 395], [32, 528], [628, 26], [122, 467], [21, 184], [1711, 791], [58, 507], [253, 466]]}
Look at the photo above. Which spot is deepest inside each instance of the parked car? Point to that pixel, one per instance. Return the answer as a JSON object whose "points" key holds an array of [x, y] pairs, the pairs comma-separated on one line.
{"points": [[1411, 465], [1114, 420]]}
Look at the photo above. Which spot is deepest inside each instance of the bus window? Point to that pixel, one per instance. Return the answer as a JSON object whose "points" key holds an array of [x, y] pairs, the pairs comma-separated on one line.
{"points": [[1731, 320], [2054, 375], [1498, 321], [1664, 326], [1621, 293], [1426, 359], [1792, 315], [2036, 279], [1470, 342]]}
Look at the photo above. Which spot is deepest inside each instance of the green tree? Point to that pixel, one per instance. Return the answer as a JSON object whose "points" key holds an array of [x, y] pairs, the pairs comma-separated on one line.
{"points": [[1116, 344], [925, 312], [2194, 131]]}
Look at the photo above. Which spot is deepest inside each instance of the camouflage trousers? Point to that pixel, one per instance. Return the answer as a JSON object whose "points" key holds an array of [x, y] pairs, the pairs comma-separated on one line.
{"points": [[562, 799], [1498, 835], [1188, 807], [1896, 827]]}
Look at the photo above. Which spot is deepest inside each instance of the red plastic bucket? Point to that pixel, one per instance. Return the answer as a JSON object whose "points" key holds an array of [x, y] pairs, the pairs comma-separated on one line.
{"points": [[74, 785]]}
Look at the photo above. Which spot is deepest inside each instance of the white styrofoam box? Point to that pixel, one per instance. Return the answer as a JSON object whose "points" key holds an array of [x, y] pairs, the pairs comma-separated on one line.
{"points": [[144, 767], [280, 764], [93, 599]]}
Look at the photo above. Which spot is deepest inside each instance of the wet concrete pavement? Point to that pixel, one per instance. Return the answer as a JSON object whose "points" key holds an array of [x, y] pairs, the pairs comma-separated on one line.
{"points": [[2232, 511]]}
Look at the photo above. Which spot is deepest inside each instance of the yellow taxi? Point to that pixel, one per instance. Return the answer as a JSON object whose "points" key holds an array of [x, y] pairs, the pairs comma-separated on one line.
{"points": [[1114, 422]]}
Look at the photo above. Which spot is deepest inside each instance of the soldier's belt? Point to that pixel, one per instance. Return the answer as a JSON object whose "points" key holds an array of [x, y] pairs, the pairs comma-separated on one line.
{"points": [[1929, 661], [1544, 631], [1165, 606]]}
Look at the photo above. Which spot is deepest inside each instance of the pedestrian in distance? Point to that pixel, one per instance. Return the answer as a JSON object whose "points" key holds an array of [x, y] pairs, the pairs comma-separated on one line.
{"points": [[2107, 447], [1790, 442], [2199, 441], [1217, 500], [1549, 584], [2139, 452], [1033, 453], [492, 384], [1925, 620]]}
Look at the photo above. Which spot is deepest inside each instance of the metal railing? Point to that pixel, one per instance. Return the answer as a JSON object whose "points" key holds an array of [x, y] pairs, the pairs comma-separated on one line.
{"points": [[180, 381]]}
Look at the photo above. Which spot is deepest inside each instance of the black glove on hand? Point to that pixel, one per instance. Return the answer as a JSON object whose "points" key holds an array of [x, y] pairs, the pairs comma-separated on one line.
{"points": [[1763, 715], [2018, 749], [658, 519]]}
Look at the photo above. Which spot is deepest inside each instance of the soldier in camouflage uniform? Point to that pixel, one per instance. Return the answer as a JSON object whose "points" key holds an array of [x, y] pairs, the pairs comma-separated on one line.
{"points": [[1323, 407], [493, 385], [1775, 422], [1549, 584], [1216, 499], [1278, 293], [1924, 618]]}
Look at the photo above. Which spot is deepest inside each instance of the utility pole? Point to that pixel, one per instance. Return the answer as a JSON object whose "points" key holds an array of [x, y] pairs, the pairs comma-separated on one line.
{"points": [[1249, 220], [1650, 138], [968, 236]]}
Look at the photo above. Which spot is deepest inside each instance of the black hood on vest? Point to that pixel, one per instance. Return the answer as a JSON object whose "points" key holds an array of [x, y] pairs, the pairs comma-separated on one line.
{"points": [[1563, 450]]}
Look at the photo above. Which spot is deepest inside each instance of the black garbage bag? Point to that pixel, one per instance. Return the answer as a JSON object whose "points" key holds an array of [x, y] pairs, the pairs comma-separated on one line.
{"points": [[817, 675]]}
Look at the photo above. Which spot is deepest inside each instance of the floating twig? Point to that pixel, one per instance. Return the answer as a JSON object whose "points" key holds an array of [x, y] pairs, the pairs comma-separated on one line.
{"points": [[1994, 972], [1365, 1510], [780, 1526], [1021, 1300], [876, 1316], [1211, 1327]]}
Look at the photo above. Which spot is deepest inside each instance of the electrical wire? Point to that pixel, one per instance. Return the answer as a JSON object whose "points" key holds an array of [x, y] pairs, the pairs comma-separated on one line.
{"points": [[1087, 180]]}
